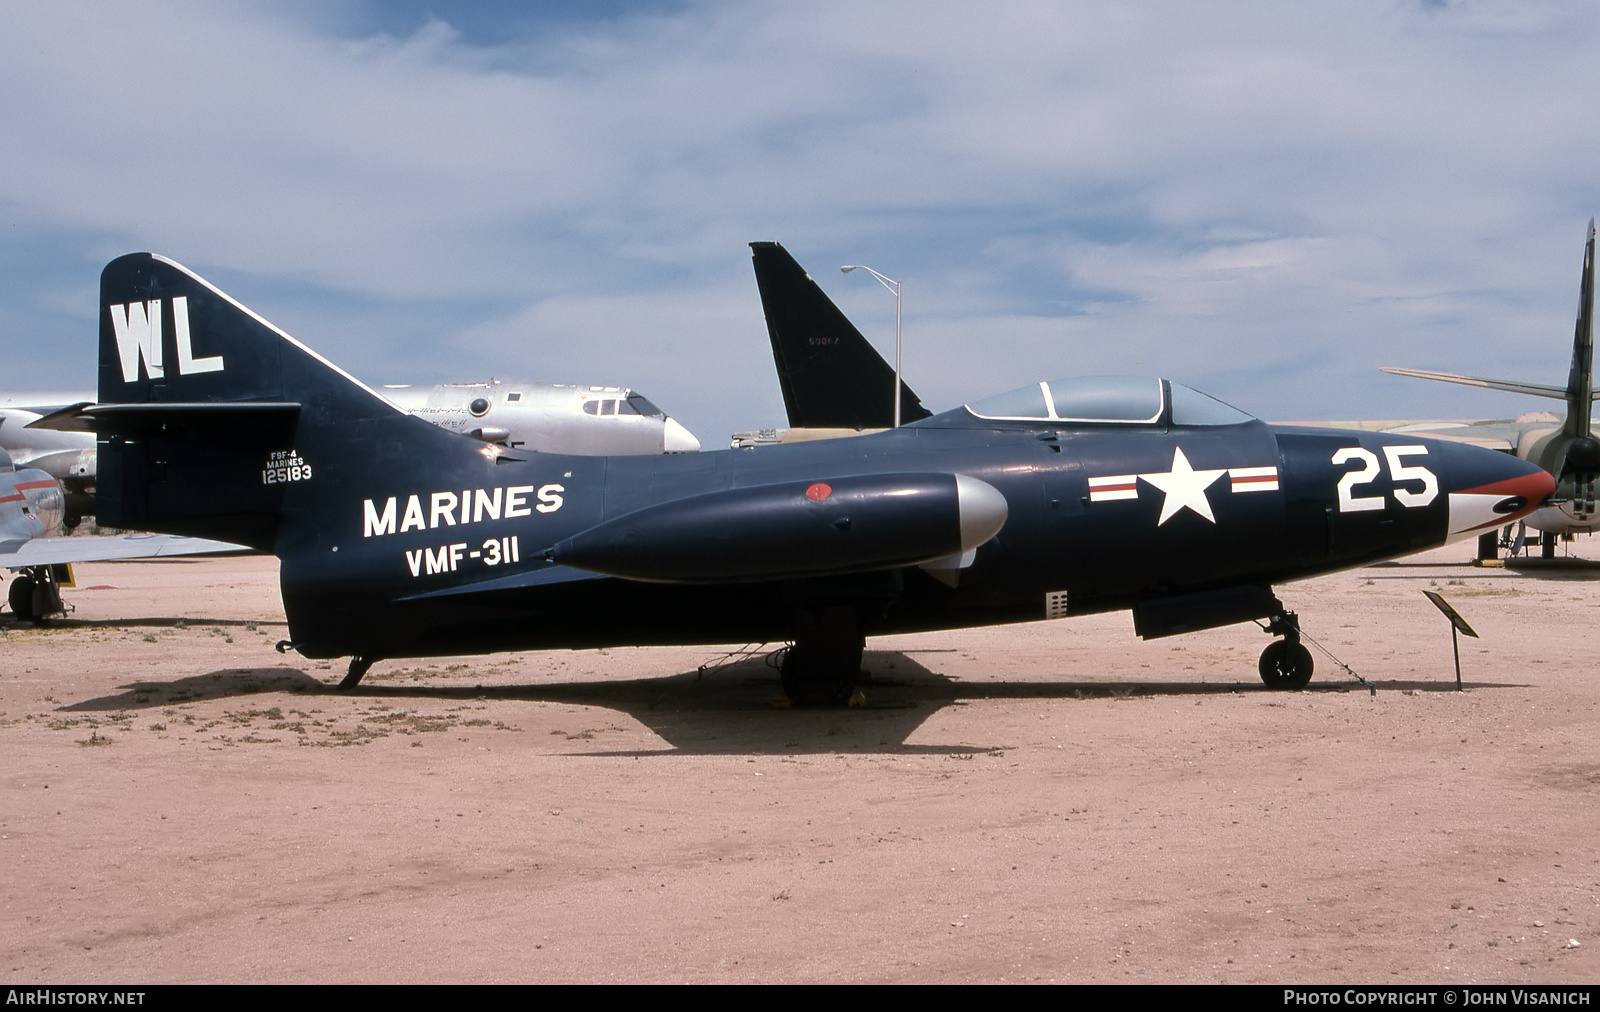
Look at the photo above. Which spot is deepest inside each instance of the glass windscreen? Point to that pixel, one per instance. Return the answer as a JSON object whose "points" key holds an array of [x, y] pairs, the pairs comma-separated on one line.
{"points": [[1121, 400], [1082, 399], [1191, 407]]}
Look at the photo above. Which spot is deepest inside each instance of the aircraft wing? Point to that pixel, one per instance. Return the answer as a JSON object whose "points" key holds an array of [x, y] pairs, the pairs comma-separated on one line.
{"points": [[1493, 434], [19, 554], [516, 581]]}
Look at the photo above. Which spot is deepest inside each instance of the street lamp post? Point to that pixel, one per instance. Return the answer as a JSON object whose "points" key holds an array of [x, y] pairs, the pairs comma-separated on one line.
{"points": [[893, 286]]}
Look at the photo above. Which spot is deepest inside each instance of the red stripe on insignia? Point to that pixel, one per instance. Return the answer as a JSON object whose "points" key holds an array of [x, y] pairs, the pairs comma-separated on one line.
{"points": [[1114, 487], [1254, 479]]}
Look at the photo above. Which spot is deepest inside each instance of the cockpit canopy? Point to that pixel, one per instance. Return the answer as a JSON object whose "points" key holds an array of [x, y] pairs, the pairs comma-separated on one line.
{"points": [[1108, 400]]}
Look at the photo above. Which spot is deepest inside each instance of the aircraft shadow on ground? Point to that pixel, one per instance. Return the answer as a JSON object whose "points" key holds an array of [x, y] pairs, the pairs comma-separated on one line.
{"points": [[1556, 569], [1543, 569], [149, 621], [733, 709]]}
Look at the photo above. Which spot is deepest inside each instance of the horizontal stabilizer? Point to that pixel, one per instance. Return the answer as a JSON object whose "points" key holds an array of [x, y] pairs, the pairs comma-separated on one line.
{"points": [[64, 419], [1510, 386], [218, 420]]}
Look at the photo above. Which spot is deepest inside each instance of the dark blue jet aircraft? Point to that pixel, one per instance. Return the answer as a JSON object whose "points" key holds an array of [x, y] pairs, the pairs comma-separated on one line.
{"points": [[400, 539]]}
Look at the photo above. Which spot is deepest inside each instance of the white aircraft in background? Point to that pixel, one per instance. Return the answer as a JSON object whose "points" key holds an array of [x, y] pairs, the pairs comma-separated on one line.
{"points": [[555, 418], [31, 504], [66, 456], [552, 418]]}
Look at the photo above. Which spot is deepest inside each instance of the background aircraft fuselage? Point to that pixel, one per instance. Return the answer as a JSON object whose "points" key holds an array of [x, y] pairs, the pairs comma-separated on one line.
{"points": [[556, 418]]}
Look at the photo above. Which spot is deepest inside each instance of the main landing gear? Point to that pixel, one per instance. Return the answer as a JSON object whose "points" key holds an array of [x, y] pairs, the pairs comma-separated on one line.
{"points": [[1285, 663], [1515, 541], [822, 666], [35, 594]]}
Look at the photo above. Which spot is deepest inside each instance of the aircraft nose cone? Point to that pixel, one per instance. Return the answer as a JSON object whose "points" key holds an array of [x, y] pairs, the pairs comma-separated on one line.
{"points": [[1498, 489], [677, 439]]}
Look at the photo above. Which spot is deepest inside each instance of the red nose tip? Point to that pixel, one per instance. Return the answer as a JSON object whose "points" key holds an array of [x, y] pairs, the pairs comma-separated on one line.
{"points": [[1532, 488]]}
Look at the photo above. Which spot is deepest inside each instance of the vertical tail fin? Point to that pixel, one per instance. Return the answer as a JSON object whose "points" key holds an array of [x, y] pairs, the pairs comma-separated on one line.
{"points": [[1580, 381], [1580, 458], [830, 376], [211, 421]]}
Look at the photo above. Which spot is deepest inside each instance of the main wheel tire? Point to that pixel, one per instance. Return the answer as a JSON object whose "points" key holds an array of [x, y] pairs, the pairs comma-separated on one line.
{"points": [[1286, 665], [814, 678], [20, 597]]}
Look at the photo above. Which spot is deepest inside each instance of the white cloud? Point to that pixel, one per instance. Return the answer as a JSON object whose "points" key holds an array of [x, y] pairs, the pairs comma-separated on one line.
{"points": [[1237, 191]]}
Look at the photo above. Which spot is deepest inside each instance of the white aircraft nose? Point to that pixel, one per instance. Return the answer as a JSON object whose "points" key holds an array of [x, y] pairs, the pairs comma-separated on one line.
{"points": [[677, 439]]}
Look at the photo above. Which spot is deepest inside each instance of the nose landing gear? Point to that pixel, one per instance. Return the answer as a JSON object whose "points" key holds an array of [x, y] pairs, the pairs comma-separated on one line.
{"points": [[1286, 663]]}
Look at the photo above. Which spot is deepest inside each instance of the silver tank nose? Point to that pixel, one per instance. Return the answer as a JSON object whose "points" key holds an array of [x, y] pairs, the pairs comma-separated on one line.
{"points": [[983, 511]]}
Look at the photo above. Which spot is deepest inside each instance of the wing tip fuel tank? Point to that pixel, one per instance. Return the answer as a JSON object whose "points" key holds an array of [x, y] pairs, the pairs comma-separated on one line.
{"points": [[793, 529]]}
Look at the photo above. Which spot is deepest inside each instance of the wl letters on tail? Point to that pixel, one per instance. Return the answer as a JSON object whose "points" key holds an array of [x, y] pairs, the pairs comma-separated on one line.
{"points": [[212, 422]]}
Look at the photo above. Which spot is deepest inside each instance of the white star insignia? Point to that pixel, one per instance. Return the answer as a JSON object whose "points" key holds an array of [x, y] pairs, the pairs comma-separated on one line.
{"points": [[1185, 488]]}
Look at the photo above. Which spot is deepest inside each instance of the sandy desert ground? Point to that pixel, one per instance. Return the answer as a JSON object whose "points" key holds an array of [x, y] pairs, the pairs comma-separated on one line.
{"points": [[1050, 802]]}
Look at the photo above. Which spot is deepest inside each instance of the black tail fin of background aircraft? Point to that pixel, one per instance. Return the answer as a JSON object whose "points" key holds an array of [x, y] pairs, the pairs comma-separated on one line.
{"points": [[830, 376], [1579, 391], [1581, 457], [210, 418], [1580, 380]]}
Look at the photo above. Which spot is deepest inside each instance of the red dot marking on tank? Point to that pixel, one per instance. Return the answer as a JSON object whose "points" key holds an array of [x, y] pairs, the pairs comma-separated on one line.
{"points": [[820, 491]]}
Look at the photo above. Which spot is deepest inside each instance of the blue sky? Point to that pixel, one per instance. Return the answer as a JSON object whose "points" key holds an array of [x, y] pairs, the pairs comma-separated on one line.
{"points": [[1265, 200]]}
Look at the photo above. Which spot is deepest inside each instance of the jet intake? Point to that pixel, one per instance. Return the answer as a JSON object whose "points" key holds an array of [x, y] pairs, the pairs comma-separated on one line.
{"points": [[793, 529]]}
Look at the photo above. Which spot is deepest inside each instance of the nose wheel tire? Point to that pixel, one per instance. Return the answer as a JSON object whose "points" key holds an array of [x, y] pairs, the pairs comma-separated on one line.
{"points": [[1286, 665]]}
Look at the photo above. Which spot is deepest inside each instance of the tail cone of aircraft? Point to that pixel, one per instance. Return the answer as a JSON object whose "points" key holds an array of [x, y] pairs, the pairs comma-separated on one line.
{"points": [[797, 528]]}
